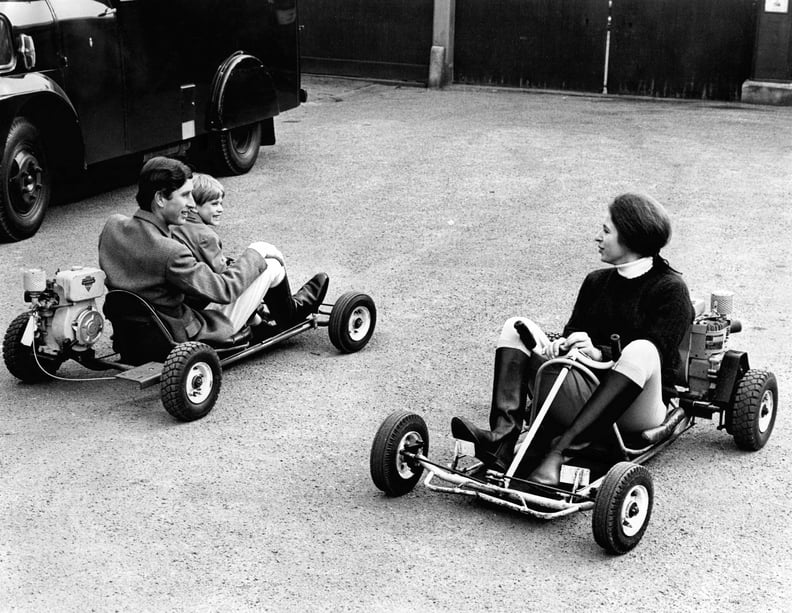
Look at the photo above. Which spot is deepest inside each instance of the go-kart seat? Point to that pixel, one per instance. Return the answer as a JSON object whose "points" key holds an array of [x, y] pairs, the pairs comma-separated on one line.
{"points": [[140, 335], [635, 443], [681, 372], [675, 414]]}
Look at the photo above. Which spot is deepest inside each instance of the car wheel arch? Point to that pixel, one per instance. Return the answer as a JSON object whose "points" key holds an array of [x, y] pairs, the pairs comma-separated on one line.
{"points": [[52, 112], [238, 80]]}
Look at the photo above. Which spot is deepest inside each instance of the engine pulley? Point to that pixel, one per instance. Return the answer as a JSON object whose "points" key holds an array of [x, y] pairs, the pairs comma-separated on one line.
{"points": [[88, 327]]}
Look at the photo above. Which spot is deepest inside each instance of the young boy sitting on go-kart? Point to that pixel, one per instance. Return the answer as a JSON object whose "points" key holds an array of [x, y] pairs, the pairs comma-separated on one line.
{"points": [[199, 233]]}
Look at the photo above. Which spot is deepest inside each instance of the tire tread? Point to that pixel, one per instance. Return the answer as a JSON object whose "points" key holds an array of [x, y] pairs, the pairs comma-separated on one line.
{"points": [[18, 358], [747, 402], [9, 228], [339, 315], [385, 448], [225, 158], [171, 382], [619, 478]]}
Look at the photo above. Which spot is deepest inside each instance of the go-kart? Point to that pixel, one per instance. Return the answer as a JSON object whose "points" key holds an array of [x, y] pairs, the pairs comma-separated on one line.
{"points": [[63, 323], [608, 476]]}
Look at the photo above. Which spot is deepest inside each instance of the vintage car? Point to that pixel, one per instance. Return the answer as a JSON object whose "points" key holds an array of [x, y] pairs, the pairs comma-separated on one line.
{"points": [[85, 81]]}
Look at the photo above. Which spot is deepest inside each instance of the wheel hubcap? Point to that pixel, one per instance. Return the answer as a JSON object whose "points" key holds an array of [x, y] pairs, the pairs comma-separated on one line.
{"points": [[634, 510], [403, 466], [359, 323], [199, 382], [766, 409], [25, 181]]}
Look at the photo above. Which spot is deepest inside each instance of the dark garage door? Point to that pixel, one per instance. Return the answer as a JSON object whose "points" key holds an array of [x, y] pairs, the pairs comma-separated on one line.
{"points": [[682, 48], [385, 39], [555, 44]]}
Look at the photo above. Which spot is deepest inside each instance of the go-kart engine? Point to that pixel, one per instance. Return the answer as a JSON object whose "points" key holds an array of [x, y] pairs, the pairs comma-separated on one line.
{"points": [[709, 340], [66, 306]]}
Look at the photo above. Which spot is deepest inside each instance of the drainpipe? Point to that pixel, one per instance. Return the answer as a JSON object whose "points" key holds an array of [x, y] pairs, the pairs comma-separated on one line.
{"points": [[607, 47], [441, 57]]}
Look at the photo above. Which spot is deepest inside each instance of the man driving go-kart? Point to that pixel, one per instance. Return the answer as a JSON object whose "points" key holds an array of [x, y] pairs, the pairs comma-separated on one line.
{"points": [[176, 320], [139, 254], [641, 299]]}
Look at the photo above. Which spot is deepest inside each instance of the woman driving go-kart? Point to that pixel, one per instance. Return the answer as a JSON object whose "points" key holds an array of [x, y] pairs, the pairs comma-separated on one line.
{"points": [[641, 299], [575, 416]]}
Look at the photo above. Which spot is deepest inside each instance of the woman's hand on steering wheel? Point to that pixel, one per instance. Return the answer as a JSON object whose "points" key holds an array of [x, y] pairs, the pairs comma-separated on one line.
{"points": [[577, 340], [582, 342], [556, 348]]}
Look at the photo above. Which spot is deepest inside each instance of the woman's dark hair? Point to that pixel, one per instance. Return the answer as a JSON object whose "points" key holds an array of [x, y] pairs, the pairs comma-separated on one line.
{"points": [[642, 223], [160, 174]]}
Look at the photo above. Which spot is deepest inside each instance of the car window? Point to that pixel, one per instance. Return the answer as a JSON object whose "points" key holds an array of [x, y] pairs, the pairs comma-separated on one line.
{"points": [[74, 9], [6, 46]]}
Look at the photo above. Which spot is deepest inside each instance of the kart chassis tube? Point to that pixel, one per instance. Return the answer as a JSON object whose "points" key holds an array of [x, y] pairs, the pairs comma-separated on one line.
{"points": [[526, 501], [499, 495], [315, 320]]}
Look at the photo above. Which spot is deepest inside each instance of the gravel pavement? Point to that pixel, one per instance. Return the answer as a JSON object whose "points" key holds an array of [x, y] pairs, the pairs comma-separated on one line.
{"points": [[454, 209]]}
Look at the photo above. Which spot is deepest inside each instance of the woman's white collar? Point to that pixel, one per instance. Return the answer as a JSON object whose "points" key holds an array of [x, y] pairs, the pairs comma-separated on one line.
{"points": [[634, 269]]}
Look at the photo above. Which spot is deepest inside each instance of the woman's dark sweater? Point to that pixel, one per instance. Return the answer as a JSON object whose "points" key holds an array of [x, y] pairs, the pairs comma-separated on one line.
{"points": [[655, 306]]}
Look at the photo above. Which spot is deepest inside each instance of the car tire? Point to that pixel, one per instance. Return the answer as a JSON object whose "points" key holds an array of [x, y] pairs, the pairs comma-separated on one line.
{"points": [[190, 381], [623, 507], [235, 151], [390, 471], [25, 182], [19, 358], [352, 321], [754, 409]]}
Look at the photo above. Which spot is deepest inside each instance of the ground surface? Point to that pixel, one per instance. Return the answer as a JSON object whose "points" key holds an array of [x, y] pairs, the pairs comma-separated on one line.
{"points": [[454, 210]]}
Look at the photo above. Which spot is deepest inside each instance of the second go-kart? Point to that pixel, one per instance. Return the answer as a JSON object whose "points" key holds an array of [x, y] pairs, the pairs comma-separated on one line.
{"points": [[713, 382], [64, 322]]}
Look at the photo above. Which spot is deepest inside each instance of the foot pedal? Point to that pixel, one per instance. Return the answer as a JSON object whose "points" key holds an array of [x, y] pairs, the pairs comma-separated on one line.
{"points": [[144, 375], [464, 448], [575, 475]]}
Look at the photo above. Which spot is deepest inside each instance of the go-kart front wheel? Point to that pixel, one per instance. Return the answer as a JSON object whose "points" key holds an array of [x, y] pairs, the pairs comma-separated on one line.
{"points": [[754, 411], [352, 322], [390, 470], [190, 381], [19, 358], [623, 507]]}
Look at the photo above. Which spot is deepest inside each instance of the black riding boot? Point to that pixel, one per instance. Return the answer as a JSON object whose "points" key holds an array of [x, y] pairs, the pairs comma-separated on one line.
{"points": [[509, 391], [608, 402], [288, 310]]}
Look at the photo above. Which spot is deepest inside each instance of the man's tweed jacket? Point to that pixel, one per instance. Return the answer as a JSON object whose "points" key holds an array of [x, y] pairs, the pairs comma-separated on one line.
{"points": [[139, 255]]}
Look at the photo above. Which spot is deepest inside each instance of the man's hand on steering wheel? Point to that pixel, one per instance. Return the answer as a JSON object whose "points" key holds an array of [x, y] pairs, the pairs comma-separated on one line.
{"points": [[577, 340]]}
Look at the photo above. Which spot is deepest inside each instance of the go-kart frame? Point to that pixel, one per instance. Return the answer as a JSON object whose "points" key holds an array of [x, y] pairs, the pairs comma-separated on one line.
{"points": [[190, 377], [612, 481]]}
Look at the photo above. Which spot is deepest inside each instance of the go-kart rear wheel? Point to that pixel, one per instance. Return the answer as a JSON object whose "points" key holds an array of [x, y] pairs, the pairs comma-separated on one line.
{"points": [[190, 381], [19, 358], [754, 410], [623, 507], [352, 322], [390, 470]]}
